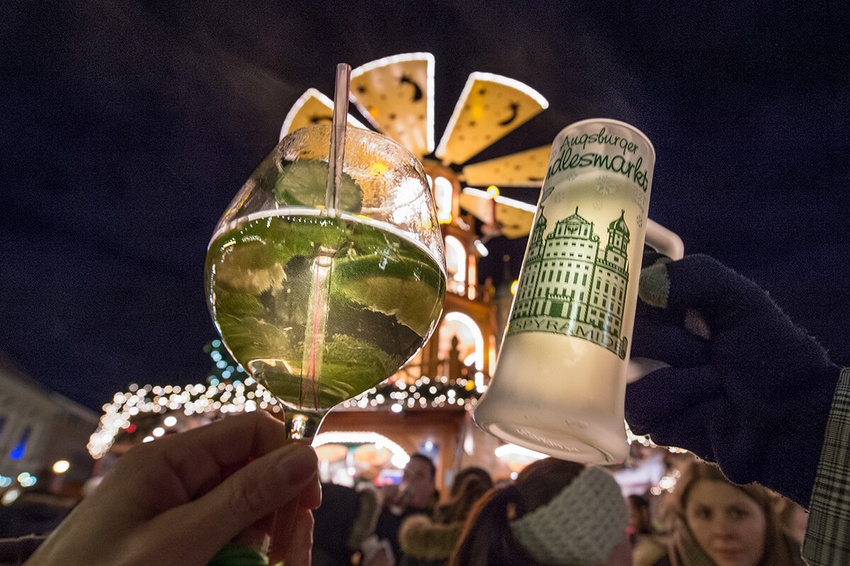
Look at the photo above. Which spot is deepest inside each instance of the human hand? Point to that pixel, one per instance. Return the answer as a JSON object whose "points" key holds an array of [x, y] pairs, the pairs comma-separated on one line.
{"points": [[180, 499], [743, 386]]}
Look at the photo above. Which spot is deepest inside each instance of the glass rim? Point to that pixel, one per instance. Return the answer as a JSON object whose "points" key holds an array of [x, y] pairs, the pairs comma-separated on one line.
{"points": [[358, 131]]}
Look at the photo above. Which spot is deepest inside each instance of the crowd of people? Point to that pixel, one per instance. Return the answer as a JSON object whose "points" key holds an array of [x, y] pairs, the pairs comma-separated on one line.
{"points": [[559, 512], [757, 401], [555, 512]]}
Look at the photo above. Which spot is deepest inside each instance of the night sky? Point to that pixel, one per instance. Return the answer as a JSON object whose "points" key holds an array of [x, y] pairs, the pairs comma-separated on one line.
{"points": [[127, 127]]}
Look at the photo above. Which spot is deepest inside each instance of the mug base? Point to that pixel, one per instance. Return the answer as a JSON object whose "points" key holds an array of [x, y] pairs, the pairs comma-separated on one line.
{"points": [[587, 447]]}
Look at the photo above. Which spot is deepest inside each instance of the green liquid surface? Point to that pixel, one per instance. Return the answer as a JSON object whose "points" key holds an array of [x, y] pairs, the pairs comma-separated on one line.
{"points": [[320, 309]]}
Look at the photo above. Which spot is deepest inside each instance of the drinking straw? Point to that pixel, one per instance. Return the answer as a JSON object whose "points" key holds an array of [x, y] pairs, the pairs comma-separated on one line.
{"points": [[337, 147]]}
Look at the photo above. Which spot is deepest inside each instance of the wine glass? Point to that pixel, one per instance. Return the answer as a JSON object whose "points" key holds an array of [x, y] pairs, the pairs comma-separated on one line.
{"points": [[321, 294]]}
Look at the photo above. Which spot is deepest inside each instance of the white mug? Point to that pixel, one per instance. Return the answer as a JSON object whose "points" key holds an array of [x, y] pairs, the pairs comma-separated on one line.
{"points": [[560, 379]]}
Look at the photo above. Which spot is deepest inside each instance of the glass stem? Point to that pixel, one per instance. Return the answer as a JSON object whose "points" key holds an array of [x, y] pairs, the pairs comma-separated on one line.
{"points": [[303, 425]]}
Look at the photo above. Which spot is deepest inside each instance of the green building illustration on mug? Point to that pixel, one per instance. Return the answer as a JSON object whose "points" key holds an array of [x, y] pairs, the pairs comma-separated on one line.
{"points": [[573, 286]]}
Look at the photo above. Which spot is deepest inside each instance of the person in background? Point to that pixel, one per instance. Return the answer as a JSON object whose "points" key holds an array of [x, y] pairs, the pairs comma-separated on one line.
{"points": [[717, 523], [346, 517], [728, 376], [429, 541], [640, 518], [556, 512], [647, 546], [416, 495]]}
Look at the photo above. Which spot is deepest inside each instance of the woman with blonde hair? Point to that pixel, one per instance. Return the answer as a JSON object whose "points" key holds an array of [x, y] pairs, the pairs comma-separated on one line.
{"points": [[717, 523]]}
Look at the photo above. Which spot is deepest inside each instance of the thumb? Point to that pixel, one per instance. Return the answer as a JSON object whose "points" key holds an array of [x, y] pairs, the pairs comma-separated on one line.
{"points": [[719, 294], [250, 494]]}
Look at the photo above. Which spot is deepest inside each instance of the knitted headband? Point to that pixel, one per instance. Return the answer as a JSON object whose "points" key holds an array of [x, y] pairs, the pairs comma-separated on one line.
{"points": [[580, 526]]}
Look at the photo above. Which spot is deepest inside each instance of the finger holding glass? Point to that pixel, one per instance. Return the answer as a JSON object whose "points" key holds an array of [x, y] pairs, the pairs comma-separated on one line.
{"points": [[179, 499]]}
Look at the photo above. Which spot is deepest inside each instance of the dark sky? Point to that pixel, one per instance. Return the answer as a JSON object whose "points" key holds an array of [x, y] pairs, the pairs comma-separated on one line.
{"points": [[126, 128]]}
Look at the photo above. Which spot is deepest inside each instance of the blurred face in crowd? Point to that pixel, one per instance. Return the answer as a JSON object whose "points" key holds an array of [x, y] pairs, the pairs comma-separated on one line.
{"points": [[420, 482], [728, 524]]}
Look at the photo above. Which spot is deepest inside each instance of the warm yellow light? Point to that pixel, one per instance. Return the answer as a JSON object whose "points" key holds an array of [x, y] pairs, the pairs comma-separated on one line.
{"points": [[378, 168], [61, 466], [514, 286], [518, 452], [493, 191], [443, 194]]}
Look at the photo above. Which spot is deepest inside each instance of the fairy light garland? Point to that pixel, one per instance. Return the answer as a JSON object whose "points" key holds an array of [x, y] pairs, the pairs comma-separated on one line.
{"points": [[230, 390], [424, 393], [197, 399]]}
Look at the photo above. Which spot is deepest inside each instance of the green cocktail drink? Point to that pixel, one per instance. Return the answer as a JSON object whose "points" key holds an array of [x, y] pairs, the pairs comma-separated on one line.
{"points": [[325, 275], [318, 308]]}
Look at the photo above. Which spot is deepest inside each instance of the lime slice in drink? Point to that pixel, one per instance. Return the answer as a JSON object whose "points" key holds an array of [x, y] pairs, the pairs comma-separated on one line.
{"points": [[253, 257], [253, 270], [408, 289], [303, 183], [412, 302], [249, 337]]}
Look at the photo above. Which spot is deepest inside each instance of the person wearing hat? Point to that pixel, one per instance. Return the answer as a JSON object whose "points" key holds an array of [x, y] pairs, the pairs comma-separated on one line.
{"points": [[556, 512]]}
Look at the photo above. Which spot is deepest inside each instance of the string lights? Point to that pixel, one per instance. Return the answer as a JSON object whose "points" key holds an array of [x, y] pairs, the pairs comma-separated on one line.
{"points": [[230, 390], [424, 393]]}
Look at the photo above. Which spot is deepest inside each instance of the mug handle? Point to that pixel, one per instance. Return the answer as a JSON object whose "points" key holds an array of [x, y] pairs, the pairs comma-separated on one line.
{"points": [[664, 240], [667, 242]]}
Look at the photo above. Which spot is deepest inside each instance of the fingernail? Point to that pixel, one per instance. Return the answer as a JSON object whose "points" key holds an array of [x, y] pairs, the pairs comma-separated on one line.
{"points": [[311, 496]]}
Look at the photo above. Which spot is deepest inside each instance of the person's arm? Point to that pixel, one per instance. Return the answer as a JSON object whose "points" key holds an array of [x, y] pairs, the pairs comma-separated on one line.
{"points": [[732, 379], [180, 499], [827, 539], [741, 384]]}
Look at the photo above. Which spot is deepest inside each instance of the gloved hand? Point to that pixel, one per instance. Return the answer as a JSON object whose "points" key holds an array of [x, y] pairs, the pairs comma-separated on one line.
{"points": [[744, 386]]}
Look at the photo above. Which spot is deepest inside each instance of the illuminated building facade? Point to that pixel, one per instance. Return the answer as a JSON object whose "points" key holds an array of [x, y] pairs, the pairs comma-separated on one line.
{"points": [[38, 430]]}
